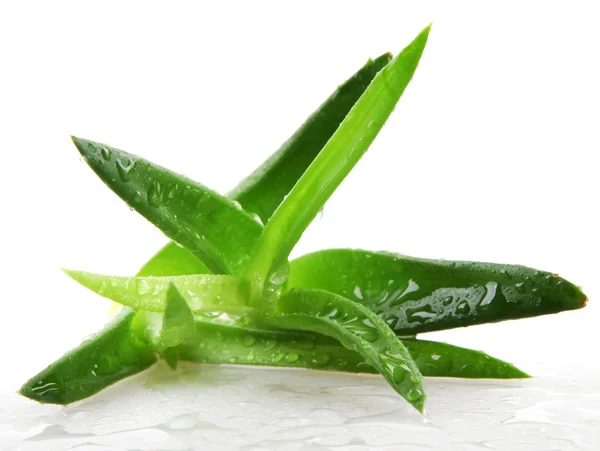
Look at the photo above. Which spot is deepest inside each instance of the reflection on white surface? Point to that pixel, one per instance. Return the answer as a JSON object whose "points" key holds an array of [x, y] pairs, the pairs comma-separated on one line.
{"points": [[243, 408]]}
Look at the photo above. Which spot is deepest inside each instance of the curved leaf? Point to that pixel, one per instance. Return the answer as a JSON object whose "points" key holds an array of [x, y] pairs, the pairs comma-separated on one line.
{"points": [[236, 344], [358, 329]]}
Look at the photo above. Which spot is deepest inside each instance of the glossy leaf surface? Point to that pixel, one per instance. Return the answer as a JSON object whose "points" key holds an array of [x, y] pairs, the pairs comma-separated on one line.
{"points": [[414, 295], [263, 190], [337, 158], [358, 329], [234, 344], [114, 354], [202, 292], [207, 224]]}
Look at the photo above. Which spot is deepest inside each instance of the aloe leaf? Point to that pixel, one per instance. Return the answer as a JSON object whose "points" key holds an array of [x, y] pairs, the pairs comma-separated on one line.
{"points": [[178, 320], [113, 354], [358, 329], [263, 190], [218, 343], [343, 150], [173, 260], [415, 295], [209, 225], [202, 292]]}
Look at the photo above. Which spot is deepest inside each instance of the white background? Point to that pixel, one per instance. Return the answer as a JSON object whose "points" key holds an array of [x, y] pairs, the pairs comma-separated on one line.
{"points": [[490, 155]]}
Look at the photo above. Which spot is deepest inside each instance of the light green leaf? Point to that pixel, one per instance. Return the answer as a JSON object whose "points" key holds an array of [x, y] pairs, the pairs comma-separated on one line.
{"points": [[358, 329], [202, 292], [343, 150]]}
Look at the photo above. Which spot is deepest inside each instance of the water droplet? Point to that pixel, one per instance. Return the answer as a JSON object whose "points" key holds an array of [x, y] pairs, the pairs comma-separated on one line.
{"points": [[420, 314], [292, 357], [321, 359], [490, 293], [277, 358], [105, 152], [414, 379], [92, 147], [250, 357], [358, 293], [256, 218], [124, 167], [414, 395], [137, 197], [172, 193], [233, 359], [142, 286], [236, 204], [155, 194], [399, 375], [270, 344], [447, 300], [248, 340], [520, 287], [463, 307], [280, 274]]}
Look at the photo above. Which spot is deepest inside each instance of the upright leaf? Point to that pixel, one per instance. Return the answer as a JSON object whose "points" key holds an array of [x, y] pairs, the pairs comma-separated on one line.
{"points": [[415, 295], [263, 190], [210, 226], [202, 292], [358, 329], [343, 150]]}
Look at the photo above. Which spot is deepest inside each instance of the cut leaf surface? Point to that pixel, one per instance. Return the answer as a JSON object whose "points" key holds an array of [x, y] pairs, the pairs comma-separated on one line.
{"points": [[414, 295], [358, 329], [337, 158], [207, 224], [202, 292]]}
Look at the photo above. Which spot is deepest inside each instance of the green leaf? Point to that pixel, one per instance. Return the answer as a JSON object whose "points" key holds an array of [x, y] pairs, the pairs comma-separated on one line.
{"points": [[349, 142], [202, 292], [263, 190], [113, 354], [178, 320], [358, 329], [209, 225], [241, 344], [173, 260], [414, 295]]}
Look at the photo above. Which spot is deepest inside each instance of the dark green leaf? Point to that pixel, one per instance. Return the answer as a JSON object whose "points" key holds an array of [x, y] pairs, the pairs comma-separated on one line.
{"points": [[114, 354], [209, 225], [414, 295]]}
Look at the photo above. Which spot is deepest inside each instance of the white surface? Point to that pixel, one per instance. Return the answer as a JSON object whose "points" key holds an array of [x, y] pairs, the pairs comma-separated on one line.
{"points": [[491, 154], [229, 408]]}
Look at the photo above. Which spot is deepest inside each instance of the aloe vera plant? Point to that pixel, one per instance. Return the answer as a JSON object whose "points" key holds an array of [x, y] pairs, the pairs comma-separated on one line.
{"points": [[224, 291]]}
